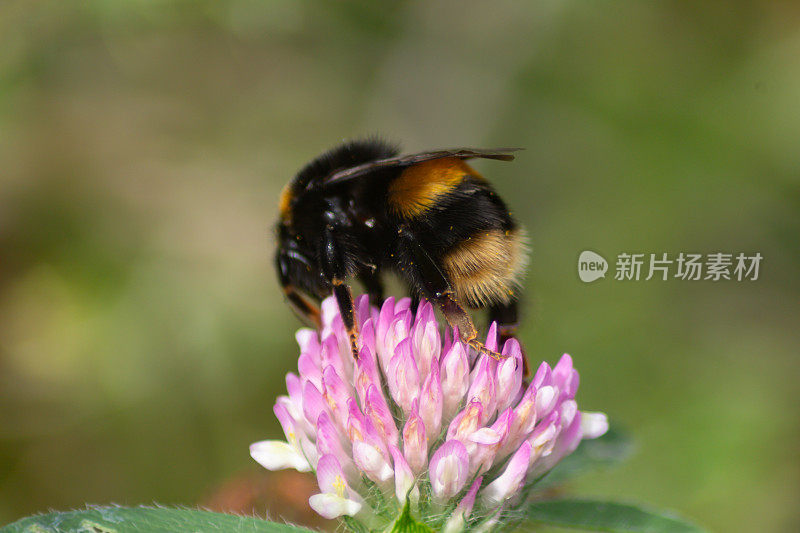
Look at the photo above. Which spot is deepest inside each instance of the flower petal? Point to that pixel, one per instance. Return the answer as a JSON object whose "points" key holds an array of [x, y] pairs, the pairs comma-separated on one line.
{"points": [[335, 391], [403, 304], [331, 355], [328, 441], [308, 340], [277, 455], [415, 441], [455, 378], [332, 506], [466, 422], [425, 313], [362, 309], [295, 389], [565, 377], [329, 309], [367, 336], [378, 410], [593, 425], [426, 342], [398, 331], [483, 387], [546, 400], [523, 421], [485, 436], [482, 448], [309, 370], [543, 438], [491, 337], [565, 443], [431, 402], [509, 375], [384, 321], [543, 376], [448, 469], [371, 461], [512, 478], [361, 429], [282, 410], [313, 403], [366, 372], [567, 411], [403, 478], [403, 377]]}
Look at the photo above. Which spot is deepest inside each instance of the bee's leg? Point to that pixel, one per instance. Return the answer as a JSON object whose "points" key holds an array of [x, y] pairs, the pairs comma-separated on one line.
{"points": [[344, 299], [456, 316], [302, 306], [436, 287], [333, 268], [507, 318], [305, 309]]}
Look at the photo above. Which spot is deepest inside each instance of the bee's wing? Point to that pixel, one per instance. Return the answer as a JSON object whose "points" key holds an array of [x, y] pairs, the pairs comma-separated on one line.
{"points": [[502, 154]]}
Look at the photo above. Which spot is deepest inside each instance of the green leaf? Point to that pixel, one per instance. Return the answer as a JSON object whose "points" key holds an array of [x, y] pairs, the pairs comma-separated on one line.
{"points": [[406, 523], [607, 516], [151, 519], [610, 449]]}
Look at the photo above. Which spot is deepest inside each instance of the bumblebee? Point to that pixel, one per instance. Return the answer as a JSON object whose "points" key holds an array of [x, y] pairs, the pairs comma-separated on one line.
{"points": [[360, 210]]}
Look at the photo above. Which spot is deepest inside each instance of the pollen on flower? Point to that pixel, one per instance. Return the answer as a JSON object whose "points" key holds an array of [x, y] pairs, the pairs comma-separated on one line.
{"points": [[421, 417], [340, 486]]}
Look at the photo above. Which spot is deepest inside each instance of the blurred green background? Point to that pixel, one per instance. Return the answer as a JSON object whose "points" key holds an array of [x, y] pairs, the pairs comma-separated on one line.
{"points": [[143, 145]]}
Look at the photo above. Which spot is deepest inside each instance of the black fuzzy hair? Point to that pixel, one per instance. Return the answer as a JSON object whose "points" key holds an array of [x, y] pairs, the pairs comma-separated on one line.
{"points": [[346, 155]]}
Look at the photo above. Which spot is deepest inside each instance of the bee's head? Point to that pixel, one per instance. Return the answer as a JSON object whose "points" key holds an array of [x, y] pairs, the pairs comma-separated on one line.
{"points": [[306, 207], [296, 261]]}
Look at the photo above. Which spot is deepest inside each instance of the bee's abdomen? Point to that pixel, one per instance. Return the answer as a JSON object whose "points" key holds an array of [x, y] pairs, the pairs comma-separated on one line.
{"points": [[485, 268], [465, 226]]}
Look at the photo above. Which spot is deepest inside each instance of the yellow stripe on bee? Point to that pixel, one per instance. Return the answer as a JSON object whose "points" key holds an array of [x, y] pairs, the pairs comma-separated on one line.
{"points": [[421, 186], [485, 269], [285, 202]]}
